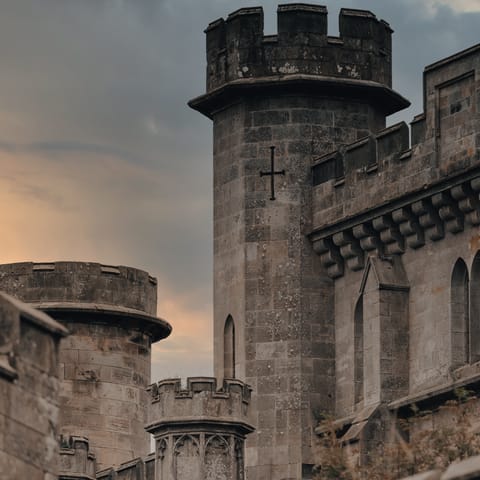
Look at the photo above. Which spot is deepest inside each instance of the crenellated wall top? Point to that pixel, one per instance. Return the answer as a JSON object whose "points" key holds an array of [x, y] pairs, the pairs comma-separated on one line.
{"points": [[237, 47], [200, 402], [300, 57]]}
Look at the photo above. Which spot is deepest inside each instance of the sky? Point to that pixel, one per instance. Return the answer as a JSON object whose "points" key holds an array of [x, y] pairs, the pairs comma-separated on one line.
{"points": [[101, 159]]}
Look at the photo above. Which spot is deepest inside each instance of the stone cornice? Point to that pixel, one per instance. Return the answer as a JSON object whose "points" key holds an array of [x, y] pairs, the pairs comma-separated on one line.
{"points": [[406, 222], [383, 97]]}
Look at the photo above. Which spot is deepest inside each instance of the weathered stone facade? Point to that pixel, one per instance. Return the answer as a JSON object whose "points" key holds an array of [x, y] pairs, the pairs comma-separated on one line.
{"points": [[200, 430], [29, 389], [104, 363], [347, 276], [352, 289]]}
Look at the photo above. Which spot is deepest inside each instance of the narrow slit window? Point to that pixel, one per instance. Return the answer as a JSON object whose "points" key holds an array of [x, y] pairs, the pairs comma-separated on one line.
{"points": [[229, 348]]}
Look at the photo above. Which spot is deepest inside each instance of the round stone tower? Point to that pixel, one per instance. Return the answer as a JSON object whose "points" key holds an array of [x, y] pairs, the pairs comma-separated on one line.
{"points": [[279, 102], [200, 430], [105, 362]]}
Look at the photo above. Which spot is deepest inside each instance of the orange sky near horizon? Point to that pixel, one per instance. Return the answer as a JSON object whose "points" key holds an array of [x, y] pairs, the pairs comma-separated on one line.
{"points": [[92, 207]]}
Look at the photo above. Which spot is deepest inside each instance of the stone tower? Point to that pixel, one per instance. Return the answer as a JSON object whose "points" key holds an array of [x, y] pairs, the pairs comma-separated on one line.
{"points": [[199, 430], [277, 102], [110, 313]]}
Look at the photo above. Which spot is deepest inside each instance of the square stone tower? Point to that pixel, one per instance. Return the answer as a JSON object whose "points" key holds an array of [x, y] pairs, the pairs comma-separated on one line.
{"points": [[277, 102]]}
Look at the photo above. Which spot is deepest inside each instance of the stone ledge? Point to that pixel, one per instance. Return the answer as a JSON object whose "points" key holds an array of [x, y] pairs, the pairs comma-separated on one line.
{"points": [[384, 97], [406, 222]]}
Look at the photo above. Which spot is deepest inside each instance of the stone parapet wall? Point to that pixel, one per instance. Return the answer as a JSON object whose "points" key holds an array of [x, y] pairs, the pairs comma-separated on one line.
{"points": [[358, 186], [238, 49], [29, 389], [199, 431], [135, 469], [82, 283], [199, 400], [105, 362]]}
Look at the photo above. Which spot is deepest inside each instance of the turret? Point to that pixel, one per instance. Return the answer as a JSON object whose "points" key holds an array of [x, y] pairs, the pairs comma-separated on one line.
{"points": [[105, 362], [278, 103], [199, 430]]}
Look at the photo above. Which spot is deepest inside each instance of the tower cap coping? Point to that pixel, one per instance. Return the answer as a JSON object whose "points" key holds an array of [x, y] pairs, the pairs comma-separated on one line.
{"points": [[212, 25], [452, 58], [306, 7], [245, 11], [352, 12]]}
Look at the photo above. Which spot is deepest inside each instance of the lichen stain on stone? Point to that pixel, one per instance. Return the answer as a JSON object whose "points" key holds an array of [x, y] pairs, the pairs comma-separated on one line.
{"points": [[474, 243], [288, 68], [437, 290]]}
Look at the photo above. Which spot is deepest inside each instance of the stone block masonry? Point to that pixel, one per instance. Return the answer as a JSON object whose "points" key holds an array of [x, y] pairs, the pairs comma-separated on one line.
{"points": [[304, 93], [105, 362], [199, 430], [29, 388]]}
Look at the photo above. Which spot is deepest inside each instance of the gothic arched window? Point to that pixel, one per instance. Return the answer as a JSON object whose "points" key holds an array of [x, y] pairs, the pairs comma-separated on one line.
{"points": [[229, 348], [459, 315], [474, 317], [358, 349]]}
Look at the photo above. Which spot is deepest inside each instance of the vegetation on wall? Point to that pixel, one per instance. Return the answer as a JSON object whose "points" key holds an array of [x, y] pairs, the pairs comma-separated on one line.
{"points": [[426, 441]]}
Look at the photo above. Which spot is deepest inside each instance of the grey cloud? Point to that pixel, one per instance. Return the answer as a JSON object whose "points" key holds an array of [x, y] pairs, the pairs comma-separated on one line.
{"points": [[112, 77]]}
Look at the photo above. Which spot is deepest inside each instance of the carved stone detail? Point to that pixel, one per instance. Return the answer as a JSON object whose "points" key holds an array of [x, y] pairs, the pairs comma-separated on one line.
{"points": [[408, 226]]}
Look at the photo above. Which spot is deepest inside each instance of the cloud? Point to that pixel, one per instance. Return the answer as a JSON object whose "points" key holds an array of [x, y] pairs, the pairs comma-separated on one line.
{"points": [[101, 159]]}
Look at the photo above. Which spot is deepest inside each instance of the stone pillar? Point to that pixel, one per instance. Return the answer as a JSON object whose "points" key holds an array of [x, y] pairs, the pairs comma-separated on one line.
{"points": [[105, 362], [305, 94], [29, 392], [199, 431]]}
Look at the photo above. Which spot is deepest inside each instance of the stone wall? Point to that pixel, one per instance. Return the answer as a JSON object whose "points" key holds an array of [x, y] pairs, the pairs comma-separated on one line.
{"points": [[305, 94], [199, 430], [29, 392], [237, 48], [105, 362]]}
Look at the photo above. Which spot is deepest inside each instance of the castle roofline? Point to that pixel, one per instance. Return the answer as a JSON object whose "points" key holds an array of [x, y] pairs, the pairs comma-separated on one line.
{"points": [[453, 58], [385, 98]]}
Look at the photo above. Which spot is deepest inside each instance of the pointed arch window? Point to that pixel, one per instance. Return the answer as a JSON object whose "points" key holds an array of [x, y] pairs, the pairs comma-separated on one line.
{"points": [[474, 318], [459, 315], [229, 348], [358, 349]]}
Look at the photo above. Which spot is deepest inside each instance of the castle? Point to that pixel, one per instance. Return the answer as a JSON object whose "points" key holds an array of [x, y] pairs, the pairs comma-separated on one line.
{"points": [[346, 274]]}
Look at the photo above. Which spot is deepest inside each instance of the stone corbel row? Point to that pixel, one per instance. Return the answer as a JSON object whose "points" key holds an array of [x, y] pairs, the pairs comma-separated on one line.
{"points": [[410, 226]]}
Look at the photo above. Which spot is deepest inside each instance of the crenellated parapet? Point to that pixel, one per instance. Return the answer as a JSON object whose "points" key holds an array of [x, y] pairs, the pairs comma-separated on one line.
{"points": [[200, 399], [199, 430], [387, 192], [358, 61], [77, 462], [237, 47]]}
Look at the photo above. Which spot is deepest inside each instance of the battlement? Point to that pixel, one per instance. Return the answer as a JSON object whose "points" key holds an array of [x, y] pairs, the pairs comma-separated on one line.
{"points": [[387, 192], [76, 460], [238, 49], [201, 401]]}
